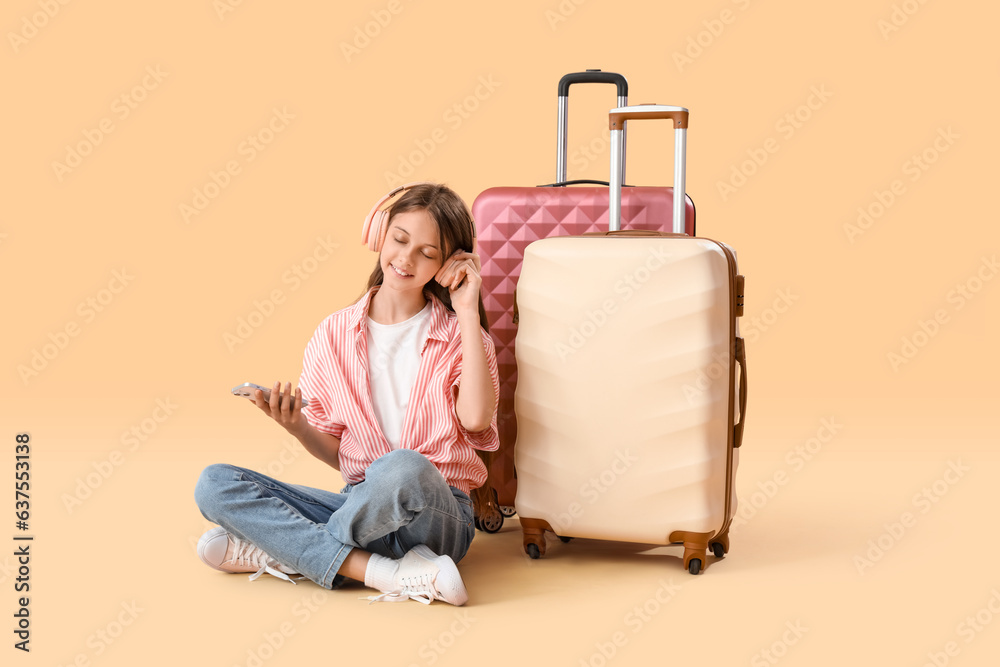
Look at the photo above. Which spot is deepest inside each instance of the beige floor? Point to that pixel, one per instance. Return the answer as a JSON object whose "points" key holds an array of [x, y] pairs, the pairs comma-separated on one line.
{"points": [[117, 581]]}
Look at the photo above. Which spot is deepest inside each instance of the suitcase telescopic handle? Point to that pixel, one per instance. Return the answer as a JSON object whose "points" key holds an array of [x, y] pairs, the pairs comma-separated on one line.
{"points": [[590, 76], [616, 122]]}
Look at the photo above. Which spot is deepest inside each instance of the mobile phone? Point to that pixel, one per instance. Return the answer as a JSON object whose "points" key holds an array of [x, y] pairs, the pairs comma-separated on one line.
{"points": [[247, 388]]}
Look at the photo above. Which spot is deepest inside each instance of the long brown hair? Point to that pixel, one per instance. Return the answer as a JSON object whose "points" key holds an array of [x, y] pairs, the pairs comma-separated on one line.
{"points": [[455, 227]]}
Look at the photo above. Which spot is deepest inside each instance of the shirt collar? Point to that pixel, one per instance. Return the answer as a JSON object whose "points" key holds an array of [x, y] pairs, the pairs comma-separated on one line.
{"points": [[439, 329]]}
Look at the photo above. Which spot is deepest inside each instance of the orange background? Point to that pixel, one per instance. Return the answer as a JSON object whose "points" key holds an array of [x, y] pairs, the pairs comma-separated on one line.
{"points": [[356, 108]]}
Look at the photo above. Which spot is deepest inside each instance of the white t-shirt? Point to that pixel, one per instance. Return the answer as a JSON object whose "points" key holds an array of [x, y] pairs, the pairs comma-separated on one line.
{"points": [[393, 363]]}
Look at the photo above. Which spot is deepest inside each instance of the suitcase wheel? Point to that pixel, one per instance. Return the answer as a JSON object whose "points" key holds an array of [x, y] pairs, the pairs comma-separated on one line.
{"points": [[718, 549], [694, 566], [507, 510], [492, 522], [533, 536]]}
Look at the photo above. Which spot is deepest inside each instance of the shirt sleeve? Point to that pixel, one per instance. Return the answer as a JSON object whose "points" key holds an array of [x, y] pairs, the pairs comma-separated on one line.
{"points": [[488, 439], [315, 383]]}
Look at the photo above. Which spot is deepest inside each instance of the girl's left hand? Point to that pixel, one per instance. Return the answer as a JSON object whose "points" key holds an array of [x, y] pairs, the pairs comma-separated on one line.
{"points": [[463, 281]]}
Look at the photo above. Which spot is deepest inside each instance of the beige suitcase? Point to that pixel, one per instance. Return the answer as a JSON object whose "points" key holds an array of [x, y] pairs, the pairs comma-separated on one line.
{"points": [[631, 386]]}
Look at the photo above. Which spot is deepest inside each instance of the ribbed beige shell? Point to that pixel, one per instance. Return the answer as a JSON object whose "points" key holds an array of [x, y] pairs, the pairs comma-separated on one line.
{"points": [[623, 394]]}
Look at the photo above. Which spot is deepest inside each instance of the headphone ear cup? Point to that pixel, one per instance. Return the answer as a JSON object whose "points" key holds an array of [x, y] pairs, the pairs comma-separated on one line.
{"points": [[439, 277], [365, 230], [378, 231], [374, 230], [451, 260]]}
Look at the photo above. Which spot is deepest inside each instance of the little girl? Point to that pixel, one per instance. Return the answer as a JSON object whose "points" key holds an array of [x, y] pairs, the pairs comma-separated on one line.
{"points": [[402, 390]]}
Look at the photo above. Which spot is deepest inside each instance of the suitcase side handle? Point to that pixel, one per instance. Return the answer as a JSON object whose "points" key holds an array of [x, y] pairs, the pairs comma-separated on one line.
{"points": [[617, 119], [590, 76], [741, 359]]}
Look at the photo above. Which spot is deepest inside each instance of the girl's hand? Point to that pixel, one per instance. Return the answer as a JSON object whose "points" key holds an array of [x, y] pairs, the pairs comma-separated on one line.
{"points": [[284, 407], [464, 282]]}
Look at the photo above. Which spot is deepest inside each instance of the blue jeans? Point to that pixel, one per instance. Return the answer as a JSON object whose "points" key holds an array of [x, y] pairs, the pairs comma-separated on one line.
{"points": [[404, 501]]}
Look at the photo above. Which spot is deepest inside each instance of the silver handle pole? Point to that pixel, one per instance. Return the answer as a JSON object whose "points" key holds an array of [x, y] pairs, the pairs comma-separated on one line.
{"points": [[615, 203], [623, 102], [617, 122], [680, 157], [562, 132], [561, 140]]}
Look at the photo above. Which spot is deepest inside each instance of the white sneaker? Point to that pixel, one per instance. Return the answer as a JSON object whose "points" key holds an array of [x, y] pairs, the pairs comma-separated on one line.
{"points": [[424, 576], [223, 551]]}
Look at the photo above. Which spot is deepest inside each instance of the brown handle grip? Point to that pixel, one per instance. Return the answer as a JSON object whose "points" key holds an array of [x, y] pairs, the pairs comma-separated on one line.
{"points": [[616, 119], [634, 232], [741, 359]]}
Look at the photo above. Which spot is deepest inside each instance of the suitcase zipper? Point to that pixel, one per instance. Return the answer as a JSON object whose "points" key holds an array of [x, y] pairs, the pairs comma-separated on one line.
{"points": [[736, 288]]}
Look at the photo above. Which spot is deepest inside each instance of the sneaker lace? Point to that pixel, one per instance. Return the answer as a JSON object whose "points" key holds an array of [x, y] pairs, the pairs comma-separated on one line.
{"points": [[245, 553], [418, 587]]}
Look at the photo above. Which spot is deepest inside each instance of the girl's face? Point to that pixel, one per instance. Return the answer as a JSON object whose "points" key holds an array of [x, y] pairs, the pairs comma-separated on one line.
{"points": [[411, 254]]}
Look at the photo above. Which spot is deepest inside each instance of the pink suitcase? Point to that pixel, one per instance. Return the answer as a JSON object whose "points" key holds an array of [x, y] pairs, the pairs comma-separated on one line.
{"points": [[631, 396], [508, 219]]}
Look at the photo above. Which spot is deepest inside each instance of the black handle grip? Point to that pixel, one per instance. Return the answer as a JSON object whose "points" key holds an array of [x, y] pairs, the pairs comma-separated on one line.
{"points": [[579, 181], [593, 76]]}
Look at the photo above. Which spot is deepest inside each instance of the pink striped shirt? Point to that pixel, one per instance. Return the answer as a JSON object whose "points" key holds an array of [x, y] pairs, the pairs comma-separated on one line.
{"points": [[335, 380]]}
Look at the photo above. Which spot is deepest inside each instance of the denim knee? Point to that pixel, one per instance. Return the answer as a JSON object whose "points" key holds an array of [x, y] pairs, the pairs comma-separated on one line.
{"points": [[402, 467], [206, 487]]}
